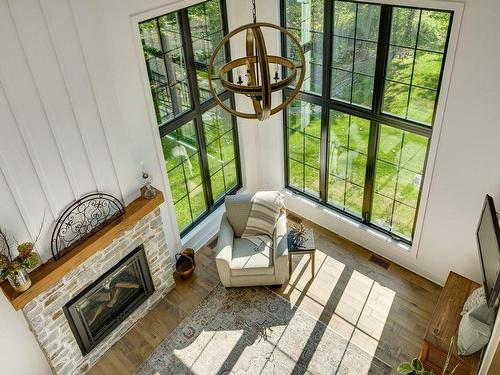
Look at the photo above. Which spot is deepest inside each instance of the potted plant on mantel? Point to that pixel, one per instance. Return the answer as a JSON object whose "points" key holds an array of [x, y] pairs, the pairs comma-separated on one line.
{"points": [[16, 268]]}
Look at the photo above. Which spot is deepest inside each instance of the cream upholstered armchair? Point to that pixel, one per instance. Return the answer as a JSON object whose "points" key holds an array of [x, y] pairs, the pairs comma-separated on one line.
{"points": [[238, 261]]}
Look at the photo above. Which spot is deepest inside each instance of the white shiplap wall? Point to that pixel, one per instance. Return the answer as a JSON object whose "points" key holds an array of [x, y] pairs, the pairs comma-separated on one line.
{"points": [[55, 143]]}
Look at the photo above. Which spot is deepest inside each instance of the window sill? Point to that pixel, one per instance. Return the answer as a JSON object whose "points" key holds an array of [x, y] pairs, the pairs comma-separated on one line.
{"points": [[206, 228], [359, 233], [203, 231]]}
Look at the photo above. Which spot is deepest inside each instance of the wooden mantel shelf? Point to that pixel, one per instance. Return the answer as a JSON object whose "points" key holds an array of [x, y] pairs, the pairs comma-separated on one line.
{"points": [[52, 271]]}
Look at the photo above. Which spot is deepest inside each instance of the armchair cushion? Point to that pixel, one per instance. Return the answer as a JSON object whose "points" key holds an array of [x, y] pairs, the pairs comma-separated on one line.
{"points": [[237, 210], [247, 260], [224, 247], [280, 241]]}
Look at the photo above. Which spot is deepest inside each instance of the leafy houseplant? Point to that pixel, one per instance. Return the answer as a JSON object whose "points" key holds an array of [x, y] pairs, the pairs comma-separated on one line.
{"points": [[416, 367], [16, 268]]}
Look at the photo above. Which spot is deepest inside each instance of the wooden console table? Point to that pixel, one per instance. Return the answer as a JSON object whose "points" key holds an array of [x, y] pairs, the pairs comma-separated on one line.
{"points": [[444, 324]]}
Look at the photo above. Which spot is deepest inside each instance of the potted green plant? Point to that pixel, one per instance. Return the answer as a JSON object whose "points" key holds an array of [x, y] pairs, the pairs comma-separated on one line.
{"points": [[416, 367], [16, 268]]}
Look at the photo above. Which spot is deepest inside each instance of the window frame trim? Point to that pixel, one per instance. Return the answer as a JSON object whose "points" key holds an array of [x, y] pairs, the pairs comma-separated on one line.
{"points": [[375, 115]]}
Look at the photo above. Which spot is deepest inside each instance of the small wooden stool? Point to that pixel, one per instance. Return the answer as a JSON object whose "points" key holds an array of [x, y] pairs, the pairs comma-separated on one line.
{"points": [[308, 247]]}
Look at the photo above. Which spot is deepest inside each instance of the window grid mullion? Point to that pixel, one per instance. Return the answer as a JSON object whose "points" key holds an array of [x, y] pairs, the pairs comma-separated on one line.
{"points": [[325, 112], [370, 171], [378, 92], [171, 88], [397, 179], [413, 64], [303, 160], [189, 55], [354, 50], [234, 127], [382, 56], [323, 161], [347, 158], [222, 158], [195, 94], [204, 161], [225, 31], [188, 192]]}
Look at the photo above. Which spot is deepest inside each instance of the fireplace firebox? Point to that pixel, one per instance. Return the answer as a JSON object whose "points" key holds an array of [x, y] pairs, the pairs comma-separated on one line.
{"points": [[102, 306]]}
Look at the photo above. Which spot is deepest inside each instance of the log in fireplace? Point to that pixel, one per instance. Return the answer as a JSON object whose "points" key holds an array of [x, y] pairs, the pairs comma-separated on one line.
{"points": [[103, 305]]}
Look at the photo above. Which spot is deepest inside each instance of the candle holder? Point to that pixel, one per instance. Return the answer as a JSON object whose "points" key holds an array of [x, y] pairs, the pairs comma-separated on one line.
{"points": [[148, 191]]}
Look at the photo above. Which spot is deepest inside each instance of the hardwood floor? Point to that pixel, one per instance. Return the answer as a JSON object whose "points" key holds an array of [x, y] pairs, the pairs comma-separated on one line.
{"points": [[495, 363], [384, 311]]}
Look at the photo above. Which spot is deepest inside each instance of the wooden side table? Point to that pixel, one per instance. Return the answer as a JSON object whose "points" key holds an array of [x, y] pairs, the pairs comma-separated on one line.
{"points": [[308, 247]]}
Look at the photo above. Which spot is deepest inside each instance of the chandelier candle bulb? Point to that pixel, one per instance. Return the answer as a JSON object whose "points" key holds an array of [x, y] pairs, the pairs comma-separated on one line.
{"points": [[240, 81], [276, 75]]}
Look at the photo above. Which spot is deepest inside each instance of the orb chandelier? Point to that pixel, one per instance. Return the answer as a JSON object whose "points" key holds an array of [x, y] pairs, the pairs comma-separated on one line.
{"points": [[261, 80]]}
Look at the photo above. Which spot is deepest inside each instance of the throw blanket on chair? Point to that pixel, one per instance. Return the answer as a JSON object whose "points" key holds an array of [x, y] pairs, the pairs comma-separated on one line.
{"points": [[266, 207]]}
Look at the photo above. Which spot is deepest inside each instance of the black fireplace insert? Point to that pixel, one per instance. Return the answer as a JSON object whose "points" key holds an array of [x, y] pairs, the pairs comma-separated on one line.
{"points": [[103, 305]]}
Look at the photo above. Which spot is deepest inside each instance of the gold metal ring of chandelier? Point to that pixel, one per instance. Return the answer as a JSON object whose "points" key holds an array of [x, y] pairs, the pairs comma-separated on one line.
{"points": [[259, 86]]}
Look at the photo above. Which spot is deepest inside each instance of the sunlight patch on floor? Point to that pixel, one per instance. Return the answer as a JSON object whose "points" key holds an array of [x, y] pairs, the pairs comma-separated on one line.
{"points": [[362, 310], [354, 297], [376, 311], [212, 357], [323, 284], [366, 305]]}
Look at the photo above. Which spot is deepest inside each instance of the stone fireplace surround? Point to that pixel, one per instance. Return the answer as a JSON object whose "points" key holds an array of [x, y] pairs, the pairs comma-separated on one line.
{"points": [[45, 315]]}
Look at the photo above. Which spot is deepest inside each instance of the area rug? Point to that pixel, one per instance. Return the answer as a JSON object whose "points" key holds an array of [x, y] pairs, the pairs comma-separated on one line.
{"points": [[255, 331]]}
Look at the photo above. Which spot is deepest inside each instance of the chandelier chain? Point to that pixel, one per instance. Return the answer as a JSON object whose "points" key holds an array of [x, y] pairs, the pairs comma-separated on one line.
{"points": [[254, 12]]}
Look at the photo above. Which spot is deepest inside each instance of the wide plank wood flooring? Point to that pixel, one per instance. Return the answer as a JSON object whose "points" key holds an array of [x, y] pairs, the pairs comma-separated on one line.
{"points": [[384, 311]]}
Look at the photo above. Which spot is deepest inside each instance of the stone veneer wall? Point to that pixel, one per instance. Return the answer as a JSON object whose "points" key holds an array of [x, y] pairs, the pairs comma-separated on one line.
{"points": [[45, 315]]}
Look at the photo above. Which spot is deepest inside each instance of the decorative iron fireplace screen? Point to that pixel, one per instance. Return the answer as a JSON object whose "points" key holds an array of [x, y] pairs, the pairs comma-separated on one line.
{"points": [[97, 310]]}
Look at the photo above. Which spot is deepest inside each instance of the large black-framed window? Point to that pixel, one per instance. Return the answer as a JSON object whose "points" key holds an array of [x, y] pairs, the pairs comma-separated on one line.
{"points": [[199, 139], [358, 142]]}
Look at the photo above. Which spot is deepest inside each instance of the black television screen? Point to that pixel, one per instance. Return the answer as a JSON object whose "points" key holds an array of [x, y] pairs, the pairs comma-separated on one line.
{"points": [[488, 240]]}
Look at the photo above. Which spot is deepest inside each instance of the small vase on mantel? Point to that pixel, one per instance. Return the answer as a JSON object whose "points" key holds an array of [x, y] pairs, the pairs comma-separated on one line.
{"points": [[147, 190], [19, 278]]}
